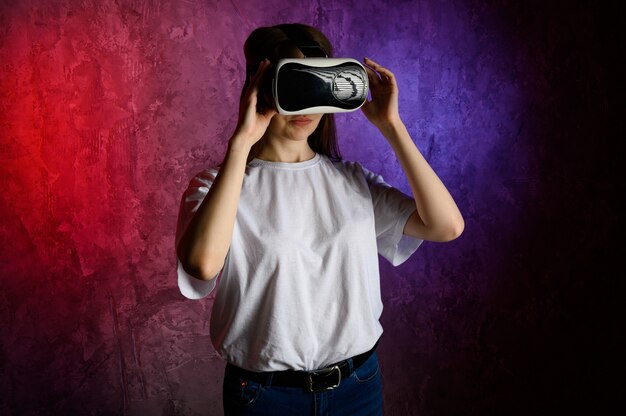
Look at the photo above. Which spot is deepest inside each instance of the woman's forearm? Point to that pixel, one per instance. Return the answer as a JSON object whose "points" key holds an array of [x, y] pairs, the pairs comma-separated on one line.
{"points": [[204, 245], [439, 217]]}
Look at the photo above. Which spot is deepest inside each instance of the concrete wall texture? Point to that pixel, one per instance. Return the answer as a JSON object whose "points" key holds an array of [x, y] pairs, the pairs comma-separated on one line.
{"points": [[108, 108]]}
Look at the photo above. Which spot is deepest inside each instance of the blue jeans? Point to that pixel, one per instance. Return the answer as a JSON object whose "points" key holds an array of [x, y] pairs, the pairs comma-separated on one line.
{"points": [[358, 395]]}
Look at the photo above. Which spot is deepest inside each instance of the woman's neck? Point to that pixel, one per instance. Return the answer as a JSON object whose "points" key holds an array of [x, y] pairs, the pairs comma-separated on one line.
{"points": [[287, 153]]}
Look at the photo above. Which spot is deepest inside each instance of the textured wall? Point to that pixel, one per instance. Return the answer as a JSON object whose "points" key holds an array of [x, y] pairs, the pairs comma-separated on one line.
{"points": [[108, 108]]}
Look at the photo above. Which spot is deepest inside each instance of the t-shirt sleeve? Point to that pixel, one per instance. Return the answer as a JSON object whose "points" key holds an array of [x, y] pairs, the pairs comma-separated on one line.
{"points": [[392, 209], [191, 287]]}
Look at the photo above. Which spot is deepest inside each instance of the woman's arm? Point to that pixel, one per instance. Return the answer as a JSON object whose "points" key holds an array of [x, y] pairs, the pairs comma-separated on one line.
{"points": [[205, 243], [437, 217]]}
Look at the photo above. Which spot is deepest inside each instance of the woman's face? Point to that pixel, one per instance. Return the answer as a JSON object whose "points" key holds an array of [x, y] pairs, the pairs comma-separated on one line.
{"points": [[293, 127]]}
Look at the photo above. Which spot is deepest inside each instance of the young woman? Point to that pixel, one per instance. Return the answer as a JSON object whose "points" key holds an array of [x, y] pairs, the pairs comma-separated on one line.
{"points": [[294, 233]]}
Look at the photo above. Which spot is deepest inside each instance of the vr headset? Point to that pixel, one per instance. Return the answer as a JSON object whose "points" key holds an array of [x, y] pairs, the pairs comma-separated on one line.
{"points": [[316, 84]]}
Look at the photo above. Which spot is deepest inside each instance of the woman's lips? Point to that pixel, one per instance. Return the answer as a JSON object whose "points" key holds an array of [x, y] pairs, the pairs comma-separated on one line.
{"points": [[301, 121]]}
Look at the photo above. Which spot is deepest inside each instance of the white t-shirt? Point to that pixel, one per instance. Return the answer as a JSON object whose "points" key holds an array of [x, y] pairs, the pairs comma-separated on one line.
{"points": [[300, 288]]}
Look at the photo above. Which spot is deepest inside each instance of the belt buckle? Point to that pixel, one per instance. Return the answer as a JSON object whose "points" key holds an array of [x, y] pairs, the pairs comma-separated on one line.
{"points": [[324, 379]]}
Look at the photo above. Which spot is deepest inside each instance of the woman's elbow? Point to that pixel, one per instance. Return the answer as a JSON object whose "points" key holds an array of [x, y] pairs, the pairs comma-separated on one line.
{"points": [[204, 272], [454, 230], [450, 231], [202, 269]]}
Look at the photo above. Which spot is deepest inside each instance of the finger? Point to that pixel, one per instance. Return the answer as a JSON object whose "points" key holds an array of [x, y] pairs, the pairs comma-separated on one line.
{"points": [[263, 65], [255, 80], [373, 77], [269, 113], [375, 66], [385, 73]]}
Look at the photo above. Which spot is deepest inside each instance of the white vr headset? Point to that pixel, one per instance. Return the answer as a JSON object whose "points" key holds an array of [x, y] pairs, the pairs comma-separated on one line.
{"points": [[317, 84]]}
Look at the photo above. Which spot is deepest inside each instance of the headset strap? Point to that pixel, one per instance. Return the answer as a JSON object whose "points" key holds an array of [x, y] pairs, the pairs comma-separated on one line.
{"points": [[309, 47]]}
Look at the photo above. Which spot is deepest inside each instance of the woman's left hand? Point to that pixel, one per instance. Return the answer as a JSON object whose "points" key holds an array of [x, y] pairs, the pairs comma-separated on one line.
{"points": [[382, 109]]}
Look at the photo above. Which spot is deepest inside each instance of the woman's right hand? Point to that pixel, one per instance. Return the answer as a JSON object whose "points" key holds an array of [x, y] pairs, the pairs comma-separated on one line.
{"points": [[252, 124]]}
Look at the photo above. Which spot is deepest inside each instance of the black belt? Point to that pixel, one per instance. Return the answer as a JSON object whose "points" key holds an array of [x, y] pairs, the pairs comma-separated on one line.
{"points": [[319, 380]]}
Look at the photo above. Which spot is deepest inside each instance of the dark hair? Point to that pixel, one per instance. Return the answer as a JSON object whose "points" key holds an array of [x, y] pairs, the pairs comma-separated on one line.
{"points": [[272, 43]]}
